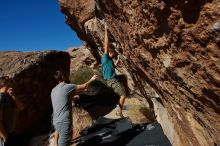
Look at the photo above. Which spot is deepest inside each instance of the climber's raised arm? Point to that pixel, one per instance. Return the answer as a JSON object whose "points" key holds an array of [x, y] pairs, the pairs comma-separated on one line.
{"points": [[106, 41]]}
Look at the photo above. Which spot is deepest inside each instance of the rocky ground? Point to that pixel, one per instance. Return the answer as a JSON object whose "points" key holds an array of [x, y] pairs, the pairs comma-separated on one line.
{"points": [[135, 109]]}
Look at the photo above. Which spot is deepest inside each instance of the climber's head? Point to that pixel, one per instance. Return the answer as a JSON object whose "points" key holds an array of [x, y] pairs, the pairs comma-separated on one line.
{"points": [[112, 53], [5, 83], [61, 76]]}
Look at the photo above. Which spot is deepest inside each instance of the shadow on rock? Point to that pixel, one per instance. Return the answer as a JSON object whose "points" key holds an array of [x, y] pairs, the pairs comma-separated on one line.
{"points": [[99, 100]]}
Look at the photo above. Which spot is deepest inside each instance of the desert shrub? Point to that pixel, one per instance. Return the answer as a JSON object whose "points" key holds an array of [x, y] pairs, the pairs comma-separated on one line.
{"points": [[82, 75], [95, 93]]}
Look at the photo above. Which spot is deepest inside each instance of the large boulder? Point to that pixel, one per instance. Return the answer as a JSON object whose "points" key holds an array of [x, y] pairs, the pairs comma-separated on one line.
{"points": [[32, 75], [80, 57], [172, 51]]}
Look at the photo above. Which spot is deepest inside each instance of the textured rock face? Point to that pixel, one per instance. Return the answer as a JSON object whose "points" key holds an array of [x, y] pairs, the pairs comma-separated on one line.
{"points": [[32, 75], [172, 50], [80, 56]]}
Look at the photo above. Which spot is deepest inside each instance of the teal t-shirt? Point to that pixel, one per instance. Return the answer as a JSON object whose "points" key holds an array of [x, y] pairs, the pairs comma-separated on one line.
{"points": [[108, 70]]}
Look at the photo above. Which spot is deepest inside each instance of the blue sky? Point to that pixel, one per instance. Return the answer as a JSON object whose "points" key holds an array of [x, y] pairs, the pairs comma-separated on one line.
{"points": [[29, 25]]}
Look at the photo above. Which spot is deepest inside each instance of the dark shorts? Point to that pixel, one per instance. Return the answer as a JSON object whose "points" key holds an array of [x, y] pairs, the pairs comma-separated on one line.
{"points": [[64, 133], [117, 86]]}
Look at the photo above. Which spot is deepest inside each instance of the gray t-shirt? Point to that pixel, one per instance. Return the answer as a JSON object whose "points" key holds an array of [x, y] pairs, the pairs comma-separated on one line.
{"points": [[62, 103], [8, 110]]}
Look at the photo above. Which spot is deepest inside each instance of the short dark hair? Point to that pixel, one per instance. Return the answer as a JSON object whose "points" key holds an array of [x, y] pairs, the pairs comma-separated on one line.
{"points": [[59, 74], [112, 47], [111, 50], [4, 81]]}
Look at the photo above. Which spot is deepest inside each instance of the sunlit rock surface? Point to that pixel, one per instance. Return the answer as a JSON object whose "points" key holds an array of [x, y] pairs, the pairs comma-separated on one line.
{"points": [[173, 57]]}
